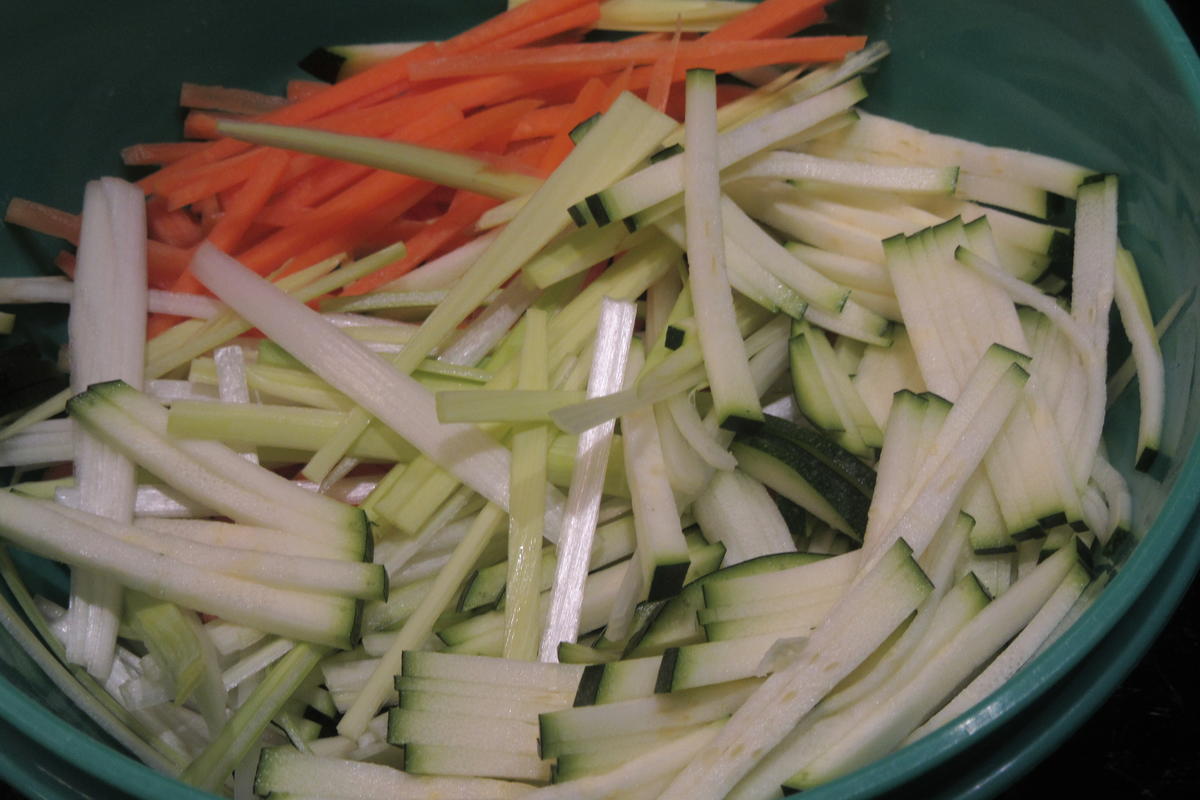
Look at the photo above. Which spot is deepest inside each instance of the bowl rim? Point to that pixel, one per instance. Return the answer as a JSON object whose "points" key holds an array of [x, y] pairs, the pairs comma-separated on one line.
{"points": [[119, 770]]}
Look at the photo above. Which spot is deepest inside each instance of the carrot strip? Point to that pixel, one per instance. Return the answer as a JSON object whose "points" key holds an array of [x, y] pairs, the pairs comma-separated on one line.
{"points": [[600, 57], [296, 203], [510, 25], [174, 227], [301, 90], [589, 102], [771, 19], [235, 101], [376, 200], [66, 262], [203, 124], [451, 228], [543, 122], [661, 75], [43, 219], [249, 200], [578, 19], [158, 153]]}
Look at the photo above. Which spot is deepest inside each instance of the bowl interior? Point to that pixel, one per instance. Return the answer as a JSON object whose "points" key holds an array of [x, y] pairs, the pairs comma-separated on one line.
{"points": [[1116, 88]]}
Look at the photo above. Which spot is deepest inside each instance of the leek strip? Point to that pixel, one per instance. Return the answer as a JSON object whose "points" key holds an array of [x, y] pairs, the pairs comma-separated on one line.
{"points": [[522, 614], [275, 384], [164, 353], [253, 663], [613, 336], [107, 336], [62, 290], [445, 270], [246, 726], [418, 626], [391, 395], [231, 385], [622, 137], [470, 345]]}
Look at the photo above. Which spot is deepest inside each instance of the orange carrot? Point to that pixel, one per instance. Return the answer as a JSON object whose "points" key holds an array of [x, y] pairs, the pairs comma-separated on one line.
{"points": [[600, 57], [157, 153], [234, 101], [300, 89], [582, 18], [66, 262], [450, 229], [43, 219], [514, 25], [661, 76], [388, 76], [174, 227], [771, 19], [589, 102], [249, 200], [376, 200]]}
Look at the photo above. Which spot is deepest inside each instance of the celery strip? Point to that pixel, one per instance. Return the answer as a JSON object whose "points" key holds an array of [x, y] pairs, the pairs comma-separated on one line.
{"points": [[442, 167], [522, 617]]}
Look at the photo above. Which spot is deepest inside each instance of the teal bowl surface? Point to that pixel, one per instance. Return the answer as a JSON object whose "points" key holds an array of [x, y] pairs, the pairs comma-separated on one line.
{"points": [[1116, 88]]}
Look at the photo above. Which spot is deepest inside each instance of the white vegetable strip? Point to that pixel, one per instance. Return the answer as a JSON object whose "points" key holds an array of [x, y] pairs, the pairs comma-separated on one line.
{"points": [[62, 290], [293, 772], [393, 397], [659, 763], [281, 569], [847, 636], [418, 626], [1015, 655], [613, 337], [1093, 284], [472, 343], [231, 385], [40, 528], [107, 340], [720, 340], [802, 166], [1137, 321]]}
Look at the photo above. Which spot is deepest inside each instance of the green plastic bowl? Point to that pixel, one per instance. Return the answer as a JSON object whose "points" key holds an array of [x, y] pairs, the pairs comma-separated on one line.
{"points": [[1114, 85]]}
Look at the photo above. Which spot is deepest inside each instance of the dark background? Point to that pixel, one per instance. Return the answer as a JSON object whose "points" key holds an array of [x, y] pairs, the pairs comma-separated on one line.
{"points": [[1144, 742]]}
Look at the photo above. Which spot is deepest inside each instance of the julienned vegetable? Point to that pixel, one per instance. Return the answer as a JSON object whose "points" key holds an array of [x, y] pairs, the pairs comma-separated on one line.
{"points": [[725, 438]]}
